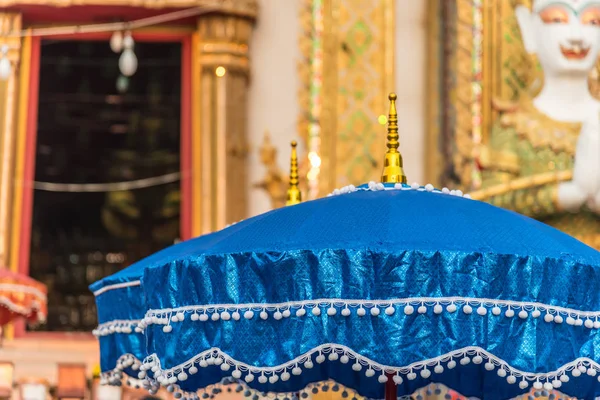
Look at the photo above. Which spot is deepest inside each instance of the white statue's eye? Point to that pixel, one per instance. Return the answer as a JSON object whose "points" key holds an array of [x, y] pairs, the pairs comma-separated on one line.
{"points": [[591, 16], [554, 15]]}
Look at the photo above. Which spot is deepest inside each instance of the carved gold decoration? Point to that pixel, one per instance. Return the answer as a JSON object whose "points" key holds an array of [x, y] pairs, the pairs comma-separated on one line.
{"points": [[9, 90], [274, 182], [294, 196], [393, 171], [248, 8], [358, 72], [219, 131]]}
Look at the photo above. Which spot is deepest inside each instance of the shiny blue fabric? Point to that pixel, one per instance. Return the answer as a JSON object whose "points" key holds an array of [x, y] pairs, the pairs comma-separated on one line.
{"points": [[128, 303], [382, 245]]}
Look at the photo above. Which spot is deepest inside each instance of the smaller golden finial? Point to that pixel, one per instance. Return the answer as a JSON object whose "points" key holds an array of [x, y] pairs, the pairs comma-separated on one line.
{"points": [[393, 172], [294, 196]]}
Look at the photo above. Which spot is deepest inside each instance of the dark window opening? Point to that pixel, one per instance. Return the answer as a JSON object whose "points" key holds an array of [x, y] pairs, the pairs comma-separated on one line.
{"points": [[96, 126]]}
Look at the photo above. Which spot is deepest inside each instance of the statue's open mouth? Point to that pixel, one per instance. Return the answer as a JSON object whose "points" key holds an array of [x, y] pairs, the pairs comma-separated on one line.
{"points": [[574, 52]]}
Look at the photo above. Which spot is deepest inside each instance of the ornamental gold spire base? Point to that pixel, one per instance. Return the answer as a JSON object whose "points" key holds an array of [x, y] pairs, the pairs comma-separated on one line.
{"points": [[393, 171], [294, 196]]}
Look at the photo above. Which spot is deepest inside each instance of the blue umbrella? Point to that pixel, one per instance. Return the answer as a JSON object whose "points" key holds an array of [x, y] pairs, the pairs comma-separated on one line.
{"points": [[383, 285]]}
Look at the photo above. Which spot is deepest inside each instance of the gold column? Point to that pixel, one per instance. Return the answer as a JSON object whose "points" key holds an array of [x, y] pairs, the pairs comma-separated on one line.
{"points": [[219, 136], [9, 89]]}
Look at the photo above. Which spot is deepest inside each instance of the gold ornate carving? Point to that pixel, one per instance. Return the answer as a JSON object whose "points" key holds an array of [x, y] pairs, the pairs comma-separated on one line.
{"points": [[274, 182], [9, 90], [358, 53], [294, 195], [220, 132], [248, 8], [393, 171]]}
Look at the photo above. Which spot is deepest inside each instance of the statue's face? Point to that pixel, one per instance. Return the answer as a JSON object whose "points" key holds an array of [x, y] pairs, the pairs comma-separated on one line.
{"points": [[565, 34]]}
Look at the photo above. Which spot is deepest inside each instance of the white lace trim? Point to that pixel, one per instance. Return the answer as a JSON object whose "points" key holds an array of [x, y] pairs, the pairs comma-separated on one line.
{"points": [[18, 288], [345, 355], [21, 310], [377, 186], [345, 307], [122, 285]]}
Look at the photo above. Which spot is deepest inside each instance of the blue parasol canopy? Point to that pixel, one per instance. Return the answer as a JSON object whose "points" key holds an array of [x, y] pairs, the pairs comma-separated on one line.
{"points": [[376, 286]]}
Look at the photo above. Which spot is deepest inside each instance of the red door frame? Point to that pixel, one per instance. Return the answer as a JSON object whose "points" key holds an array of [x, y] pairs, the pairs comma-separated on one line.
{"points": [[29, 168]]}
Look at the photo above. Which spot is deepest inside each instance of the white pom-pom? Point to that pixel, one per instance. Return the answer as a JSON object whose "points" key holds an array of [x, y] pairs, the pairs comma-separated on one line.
{"points": [[215, 316], [451, 308], [285, 376], [437, 309], [523, 384], [398, 379], [510, 313], [346, 312], [237, 374], [489, 366], [451, 364], [496, 310], [564, 378], [277, 315], [536, 313], [264, 315], [225, 316], [465, 360], [344, 359], [296, 371], [425, 373], [333, 356], [438, 369], [556, 383], [412, 376], [300, 312], [225, 367], [194, 317], [356, 367], [592, 371], [537, 385], [249, 378], [422, 309], [331, 311], [369, 373], [167, 328], [578, 322], [558, 319], [249, 314], [180, 316], [576, 373], [182, 376], [501, 372], [446, 190], [382, 379], [548, 317], [570, 320], [408, 309], [481, 310], [596, 324], [308, 365], [582, 369], [203, 363], [477, 359], [320, 359], [548, 386], [236, 316], [398, 186], [589, 324], [203, 317], [511, 379], [262, 379], [522, 314], [316, 311], [390, 310], [429, 187], [273, 379], [193, 370], [361, 312], [467, 309], [286, 313], [415, 185], [375, 311]]}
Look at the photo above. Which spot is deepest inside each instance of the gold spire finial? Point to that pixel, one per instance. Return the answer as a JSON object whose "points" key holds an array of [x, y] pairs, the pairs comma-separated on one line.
{"points": [[294, 196], [393, 172]]}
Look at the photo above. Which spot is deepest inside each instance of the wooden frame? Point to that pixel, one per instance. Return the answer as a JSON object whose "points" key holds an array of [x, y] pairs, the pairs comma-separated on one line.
{"points": [[23, 197]]}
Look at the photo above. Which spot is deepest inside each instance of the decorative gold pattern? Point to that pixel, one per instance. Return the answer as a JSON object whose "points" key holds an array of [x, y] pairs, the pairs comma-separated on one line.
{"points": [[357, 54], [294, 196], [248, 8], [221, 133], [9, 22], [393, 171], [274, 182]]}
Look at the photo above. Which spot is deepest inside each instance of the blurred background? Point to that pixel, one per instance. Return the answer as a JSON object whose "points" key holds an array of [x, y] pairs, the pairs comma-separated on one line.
{"points": [[117, 142]]}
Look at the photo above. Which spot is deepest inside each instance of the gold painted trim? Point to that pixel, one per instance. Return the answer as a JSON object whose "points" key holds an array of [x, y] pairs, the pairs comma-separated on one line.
{"points": [[248, 8], [432, 99], [220, 111]]}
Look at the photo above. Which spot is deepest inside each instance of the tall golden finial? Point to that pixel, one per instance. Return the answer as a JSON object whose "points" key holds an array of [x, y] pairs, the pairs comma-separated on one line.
{"points": [[294, 196], [393, 172]]}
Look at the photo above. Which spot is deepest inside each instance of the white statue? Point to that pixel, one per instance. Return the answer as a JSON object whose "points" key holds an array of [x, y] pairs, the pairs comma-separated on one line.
{"points": [[565, 36], [542, 158]]}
